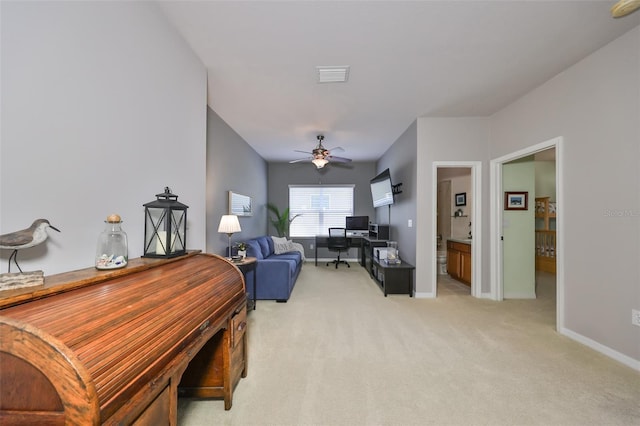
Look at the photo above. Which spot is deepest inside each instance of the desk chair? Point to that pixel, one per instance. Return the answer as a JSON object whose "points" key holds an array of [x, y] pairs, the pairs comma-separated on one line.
{"points": [[338, 242]]}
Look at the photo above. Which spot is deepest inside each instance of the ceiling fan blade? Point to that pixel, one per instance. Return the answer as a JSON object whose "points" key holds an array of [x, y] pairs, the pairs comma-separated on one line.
{"points": [[337, 149], [301, 159], [339, 159], [304, 152]]}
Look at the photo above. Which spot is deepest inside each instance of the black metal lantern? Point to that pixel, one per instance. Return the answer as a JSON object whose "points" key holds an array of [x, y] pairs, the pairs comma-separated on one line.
{"points": [[165, 226]]}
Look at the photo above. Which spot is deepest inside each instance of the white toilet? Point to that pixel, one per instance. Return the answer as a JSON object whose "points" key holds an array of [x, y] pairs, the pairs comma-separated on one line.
{"points": [[442, 262]]}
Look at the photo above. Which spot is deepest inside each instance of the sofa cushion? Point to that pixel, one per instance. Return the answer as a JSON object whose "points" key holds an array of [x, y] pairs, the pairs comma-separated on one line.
{"points": [[293, 261], [254, 249], [270, 244], [264, 246]]}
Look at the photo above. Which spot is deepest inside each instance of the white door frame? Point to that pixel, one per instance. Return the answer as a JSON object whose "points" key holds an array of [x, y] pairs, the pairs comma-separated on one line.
{"points": [[476, 228], [495, 227]]}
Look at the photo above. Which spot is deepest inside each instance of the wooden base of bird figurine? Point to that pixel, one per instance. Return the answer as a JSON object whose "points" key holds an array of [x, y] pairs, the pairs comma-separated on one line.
{"points": [[12, 281]]}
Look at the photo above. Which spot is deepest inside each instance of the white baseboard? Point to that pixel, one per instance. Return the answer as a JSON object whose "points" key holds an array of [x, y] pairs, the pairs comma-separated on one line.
{"points": [[620, 357], [424, 295], [517, 295]]}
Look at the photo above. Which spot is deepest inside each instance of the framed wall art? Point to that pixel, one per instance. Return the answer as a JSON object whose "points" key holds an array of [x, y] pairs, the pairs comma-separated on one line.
{"points": [[516, 200], [240, 205]]}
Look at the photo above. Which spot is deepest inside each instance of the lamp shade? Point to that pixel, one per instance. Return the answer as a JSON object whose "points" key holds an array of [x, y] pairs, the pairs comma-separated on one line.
{"points": [[229, 224]]}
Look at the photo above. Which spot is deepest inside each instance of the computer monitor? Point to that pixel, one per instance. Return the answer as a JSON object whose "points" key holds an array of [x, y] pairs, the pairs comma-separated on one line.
{"points": [[357, 223]]}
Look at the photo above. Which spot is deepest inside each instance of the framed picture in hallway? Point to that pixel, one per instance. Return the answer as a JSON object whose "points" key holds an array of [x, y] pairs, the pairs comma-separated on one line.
{"points": [[461, 199], [516, 200]]}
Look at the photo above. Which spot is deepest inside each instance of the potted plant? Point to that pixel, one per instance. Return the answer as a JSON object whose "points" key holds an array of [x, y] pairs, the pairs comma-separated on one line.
{"points": [[280, 221], [242, 249]]}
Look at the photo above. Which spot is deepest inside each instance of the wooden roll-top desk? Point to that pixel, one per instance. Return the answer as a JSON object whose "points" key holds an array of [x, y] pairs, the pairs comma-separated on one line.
{"points": [[117, 347]]}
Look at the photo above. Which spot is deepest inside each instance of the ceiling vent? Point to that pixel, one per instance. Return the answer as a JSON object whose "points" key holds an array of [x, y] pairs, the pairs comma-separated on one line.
{"points": [[338, 74]]}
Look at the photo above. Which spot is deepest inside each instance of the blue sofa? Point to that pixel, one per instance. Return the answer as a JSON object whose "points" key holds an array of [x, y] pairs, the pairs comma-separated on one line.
{"points": [[276, 273]]}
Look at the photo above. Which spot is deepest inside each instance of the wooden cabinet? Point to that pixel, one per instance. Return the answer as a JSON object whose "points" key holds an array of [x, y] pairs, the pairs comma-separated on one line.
{"points": [[110, 347], [459, 261]]}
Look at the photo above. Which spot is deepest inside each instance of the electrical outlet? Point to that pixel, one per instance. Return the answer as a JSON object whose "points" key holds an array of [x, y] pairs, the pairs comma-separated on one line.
{"points": [[311, 246], [410, 223], [635, 317]]}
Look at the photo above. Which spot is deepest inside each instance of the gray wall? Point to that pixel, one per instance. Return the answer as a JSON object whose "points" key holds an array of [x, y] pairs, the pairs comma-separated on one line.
{"points": [[594, 106], [281, 175], [462, 139], [400, 159], [232, 165]]}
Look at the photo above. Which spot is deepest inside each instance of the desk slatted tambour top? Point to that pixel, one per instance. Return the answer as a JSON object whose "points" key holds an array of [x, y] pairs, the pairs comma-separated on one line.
{"points": [[112, 348]]}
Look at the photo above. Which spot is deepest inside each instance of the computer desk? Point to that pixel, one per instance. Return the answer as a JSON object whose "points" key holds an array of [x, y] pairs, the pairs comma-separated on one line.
{"points": [[352, 241], [391, 278], [361, 242]]}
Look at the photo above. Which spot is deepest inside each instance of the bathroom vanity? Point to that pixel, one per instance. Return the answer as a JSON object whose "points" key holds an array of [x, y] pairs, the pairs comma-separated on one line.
{"points": [[459, 260]]}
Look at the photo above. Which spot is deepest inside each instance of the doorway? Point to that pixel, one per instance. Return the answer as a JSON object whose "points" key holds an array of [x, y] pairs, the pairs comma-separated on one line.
{"points": [[461, 182], [498, 217]]}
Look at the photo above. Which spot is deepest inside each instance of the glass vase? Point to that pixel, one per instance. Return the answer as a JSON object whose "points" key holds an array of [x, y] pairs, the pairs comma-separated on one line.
{"points": [[112, 248]]}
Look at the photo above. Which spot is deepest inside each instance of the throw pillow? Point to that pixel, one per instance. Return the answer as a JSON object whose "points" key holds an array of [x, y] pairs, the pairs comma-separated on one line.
{"points": [[281, 245]]}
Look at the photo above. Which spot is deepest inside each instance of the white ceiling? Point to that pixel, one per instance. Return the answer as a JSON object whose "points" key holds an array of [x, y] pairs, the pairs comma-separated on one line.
{"points": [[407, 59]]}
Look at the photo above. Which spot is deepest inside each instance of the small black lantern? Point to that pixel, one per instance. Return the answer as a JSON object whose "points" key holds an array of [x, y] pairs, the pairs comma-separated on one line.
{"points": [[165, 226]]}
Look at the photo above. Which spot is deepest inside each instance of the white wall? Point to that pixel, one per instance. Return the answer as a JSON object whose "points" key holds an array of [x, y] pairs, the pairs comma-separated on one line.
{"points": [[595, 107], [103, 105]]}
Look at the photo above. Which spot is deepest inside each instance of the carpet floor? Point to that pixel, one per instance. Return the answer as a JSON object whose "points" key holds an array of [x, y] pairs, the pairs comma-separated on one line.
{"points": [[340, 353]]}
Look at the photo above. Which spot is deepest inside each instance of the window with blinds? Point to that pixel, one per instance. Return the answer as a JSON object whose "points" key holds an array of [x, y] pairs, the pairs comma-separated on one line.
{"points": [[320, 207]]}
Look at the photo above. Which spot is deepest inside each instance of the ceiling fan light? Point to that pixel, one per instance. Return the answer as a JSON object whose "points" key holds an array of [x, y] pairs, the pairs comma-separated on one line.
{"points": [[319, 162]]}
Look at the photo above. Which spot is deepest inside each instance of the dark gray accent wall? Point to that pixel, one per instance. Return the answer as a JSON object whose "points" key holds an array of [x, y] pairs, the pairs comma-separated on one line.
{"points": [[281, 175], [400, 159], [232, 165]]}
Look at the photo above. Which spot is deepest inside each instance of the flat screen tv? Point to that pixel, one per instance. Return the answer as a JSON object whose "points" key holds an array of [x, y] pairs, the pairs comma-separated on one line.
{"points": [[357, 223], [382, 190]]}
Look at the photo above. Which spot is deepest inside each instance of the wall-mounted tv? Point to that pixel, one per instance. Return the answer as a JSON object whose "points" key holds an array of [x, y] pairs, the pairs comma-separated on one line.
{"points": [[382, 189]]}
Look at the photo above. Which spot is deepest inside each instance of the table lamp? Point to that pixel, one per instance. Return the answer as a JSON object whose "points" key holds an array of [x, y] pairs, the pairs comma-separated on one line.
{"points": [[229, 224]]}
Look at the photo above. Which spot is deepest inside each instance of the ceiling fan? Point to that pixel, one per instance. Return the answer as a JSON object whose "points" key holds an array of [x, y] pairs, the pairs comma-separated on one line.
{"points": [[321, 156], [624, 7]]}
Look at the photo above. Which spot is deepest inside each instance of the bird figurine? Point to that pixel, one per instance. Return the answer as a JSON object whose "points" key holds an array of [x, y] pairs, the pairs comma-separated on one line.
{"points": [[32, 236]]}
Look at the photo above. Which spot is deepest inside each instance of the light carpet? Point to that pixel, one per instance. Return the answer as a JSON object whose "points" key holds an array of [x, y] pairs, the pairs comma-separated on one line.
{"points": [[340, 353]]}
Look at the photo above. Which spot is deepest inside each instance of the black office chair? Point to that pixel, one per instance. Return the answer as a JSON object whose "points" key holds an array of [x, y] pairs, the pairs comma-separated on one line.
{"points": [[338, 242]]}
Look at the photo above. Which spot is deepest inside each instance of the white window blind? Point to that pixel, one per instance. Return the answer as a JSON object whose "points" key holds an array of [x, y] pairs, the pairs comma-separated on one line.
{"points": [[320, 207]]}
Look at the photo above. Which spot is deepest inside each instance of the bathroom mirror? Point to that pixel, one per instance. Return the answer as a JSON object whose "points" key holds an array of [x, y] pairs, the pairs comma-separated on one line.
{"points": [[239, 204]]}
